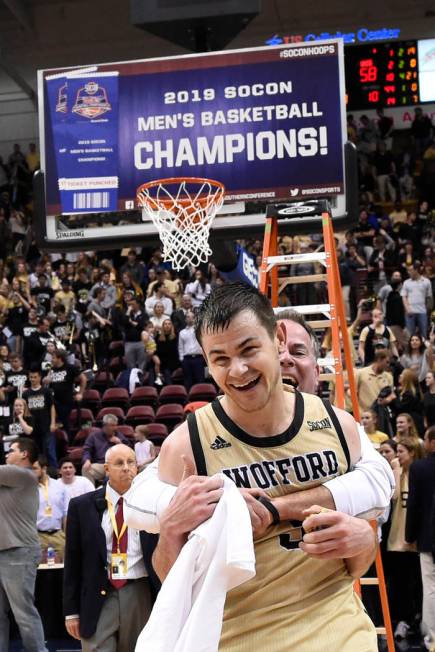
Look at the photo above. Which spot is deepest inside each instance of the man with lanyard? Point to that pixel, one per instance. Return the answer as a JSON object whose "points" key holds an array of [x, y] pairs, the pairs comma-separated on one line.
{"points": [[53, 506], [41, 405], [20, 552], [62, 380], [109, 584]]}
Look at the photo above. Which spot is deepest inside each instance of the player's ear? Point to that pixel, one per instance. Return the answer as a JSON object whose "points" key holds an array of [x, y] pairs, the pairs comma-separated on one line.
{"points": [[280, 334]]}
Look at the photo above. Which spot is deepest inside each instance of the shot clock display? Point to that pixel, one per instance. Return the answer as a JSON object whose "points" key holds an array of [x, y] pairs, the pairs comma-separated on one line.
{"points": [[382, 75]]}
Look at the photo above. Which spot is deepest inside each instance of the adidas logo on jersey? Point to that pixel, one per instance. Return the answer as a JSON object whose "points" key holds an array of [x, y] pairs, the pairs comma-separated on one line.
{"points": [[219, 443]]}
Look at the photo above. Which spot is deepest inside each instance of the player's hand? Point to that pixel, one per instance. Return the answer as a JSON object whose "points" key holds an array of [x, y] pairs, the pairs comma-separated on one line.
{"points": [[72, 626], [193, 503], [261, 518], [340, 536]]}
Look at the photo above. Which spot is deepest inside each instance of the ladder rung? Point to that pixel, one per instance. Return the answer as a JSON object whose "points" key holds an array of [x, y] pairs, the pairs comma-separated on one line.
{"points": [[309, 278], [326, 362], [295, 259], [319, 323], [314, 309], [381, 631], [327, 376], [369, 581]]}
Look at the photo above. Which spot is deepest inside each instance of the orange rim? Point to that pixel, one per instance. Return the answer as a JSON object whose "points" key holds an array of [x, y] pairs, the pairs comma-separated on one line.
{"points": [[201, 200]]}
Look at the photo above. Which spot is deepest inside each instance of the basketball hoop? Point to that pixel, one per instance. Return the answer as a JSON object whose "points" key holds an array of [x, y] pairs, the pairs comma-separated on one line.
{"points": [[183, 210]]}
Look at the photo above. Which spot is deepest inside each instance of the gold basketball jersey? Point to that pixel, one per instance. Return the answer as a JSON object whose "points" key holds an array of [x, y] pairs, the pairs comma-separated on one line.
{"points": [[294, 602]]}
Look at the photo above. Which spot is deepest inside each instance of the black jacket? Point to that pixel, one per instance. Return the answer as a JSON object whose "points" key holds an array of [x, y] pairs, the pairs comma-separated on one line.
{"points": [[421, 498], [86, 583]]}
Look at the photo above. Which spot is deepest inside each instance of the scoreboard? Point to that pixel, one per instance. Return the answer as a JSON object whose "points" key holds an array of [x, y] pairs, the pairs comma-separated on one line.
{"points": [[387, 74]]}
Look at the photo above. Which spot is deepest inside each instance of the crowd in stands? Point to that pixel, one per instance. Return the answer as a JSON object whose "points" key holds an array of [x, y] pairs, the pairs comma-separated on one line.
{"points": [[99, 348]]}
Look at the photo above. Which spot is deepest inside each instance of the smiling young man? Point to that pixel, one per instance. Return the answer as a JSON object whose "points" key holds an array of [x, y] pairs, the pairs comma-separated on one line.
{"points": [[266, 437]]}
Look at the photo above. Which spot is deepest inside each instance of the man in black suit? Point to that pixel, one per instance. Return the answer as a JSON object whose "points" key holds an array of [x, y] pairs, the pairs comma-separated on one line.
{"points": [[109, 584], [419, 528]]}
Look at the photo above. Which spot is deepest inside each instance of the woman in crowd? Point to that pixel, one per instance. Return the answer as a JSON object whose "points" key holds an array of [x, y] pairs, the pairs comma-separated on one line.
{"points": [[429, 400], [418, 357], [158, 316], [388, 449], [22, 421], [167, 350], [406, 428], [408, 398], [402, 563], [128, 283], [369, 421]]}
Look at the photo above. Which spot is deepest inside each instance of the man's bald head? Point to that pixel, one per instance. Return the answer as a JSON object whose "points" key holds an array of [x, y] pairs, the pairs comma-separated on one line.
{"points": [[120, 466]]}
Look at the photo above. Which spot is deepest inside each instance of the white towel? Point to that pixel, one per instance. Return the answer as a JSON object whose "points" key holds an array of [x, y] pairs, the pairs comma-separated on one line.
{"points": [[218, 556]]}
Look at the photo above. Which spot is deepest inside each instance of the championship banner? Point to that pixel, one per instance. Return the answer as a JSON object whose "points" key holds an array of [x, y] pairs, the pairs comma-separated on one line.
{"points": [[268, 123]]}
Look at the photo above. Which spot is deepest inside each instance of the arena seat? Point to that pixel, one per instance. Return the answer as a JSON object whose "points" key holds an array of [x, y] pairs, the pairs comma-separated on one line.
{"points": [[202, 392], [102, 381], [79, 416], [116, 397], [145, 396], [173, 394], [117, 411], [81, 436], [126, 430], [116, 365], [178, 377], [170, 414], [140, 415], [91, 400]]}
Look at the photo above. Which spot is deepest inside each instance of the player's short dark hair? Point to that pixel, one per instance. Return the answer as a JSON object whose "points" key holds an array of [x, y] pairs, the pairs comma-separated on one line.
{"points": [[226, 301], [27, 445]]}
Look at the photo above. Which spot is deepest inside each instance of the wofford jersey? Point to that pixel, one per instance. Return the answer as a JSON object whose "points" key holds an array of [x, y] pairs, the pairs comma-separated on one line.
{"points": [[294, 601]]}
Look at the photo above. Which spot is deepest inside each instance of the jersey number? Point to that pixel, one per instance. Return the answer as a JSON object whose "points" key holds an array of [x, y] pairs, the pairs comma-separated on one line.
{"points": [[290, 540]]}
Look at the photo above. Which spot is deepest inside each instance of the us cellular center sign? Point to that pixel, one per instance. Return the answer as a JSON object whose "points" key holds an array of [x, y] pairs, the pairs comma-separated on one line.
{"points": [[261, 121]]}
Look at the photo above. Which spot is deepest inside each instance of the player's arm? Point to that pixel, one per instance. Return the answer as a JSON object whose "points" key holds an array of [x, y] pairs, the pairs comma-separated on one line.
{"points": [[193, 503]]}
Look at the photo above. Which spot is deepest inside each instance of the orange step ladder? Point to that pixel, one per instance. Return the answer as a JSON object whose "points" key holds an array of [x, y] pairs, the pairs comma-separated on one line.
{"points": [[334, 317]]}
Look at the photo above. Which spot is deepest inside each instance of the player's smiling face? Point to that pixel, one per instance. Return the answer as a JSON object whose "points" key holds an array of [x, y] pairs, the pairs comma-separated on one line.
{"points": [[298, 363], [243, 360]]}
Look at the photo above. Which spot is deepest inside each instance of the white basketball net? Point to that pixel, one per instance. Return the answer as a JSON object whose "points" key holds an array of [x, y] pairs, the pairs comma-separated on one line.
{"points": [[183, 217]]}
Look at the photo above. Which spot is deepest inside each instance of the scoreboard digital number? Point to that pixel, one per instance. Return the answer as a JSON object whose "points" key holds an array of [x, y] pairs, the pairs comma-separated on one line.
{"points": [[382, 75]]}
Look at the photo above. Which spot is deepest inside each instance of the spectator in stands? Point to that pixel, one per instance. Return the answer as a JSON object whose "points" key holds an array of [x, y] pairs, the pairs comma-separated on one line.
{"points": [[158, 316], [199, 288], [178, 317], [41, 407], [398, 214], [190, 354], [374, 336], [110, 294], [405, 427], [22, 421], [133, 324], [32, 158], [62, 380], [391, 304], [144, 449], [43, 295], [417, 299], [74, 485], [421, 130], [4, 178], [97, 444], [82, 289], [20, 551], [408, 231], [66, 296], [134, 267], [403, 575], [369, 421], [104, 607], [167, 351], [53, 506], [5, 234], [385, 171], [385, 127], [418, 356], [159, 295], [367, 136], [388, 450], [429, 400], [381, 260], [16, 378], [419, 529], [408, 398], [372, 379]]}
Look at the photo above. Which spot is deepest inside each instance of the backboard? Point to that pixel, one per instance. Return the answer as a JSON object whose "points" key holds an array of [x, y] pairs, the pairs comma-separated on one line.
{"points": [[268, 123]]}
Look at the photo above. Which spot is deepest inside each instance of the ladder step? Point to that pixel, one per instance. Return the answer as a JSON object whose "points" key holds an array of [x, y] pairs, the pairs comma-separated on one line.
{"points": [[369, 581], [309, 278], [319, 323], [295, 259], [315, 309], [326, 362], [381, 631]]}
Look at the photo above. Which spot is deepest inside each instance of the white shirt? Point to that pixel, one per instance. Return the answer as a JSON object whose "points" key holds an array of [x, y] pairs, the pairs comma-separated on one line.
{"points": [[77, 487], [58, 501], [151, 302], [135, 562], [142, 450], [192, 597], [197, 292], [187, 343]]}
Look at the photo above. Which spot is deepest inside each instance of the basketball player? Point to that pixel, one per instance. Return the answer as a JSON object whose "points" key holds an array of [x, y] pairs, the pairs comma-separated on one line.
{"points": [[265, 436]]}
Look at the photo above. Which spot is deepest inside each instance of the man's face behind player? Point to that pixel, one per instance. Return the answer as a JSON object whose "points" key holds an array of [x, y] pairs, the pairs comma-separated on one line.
{"points": [[243, 360], [298, 363]]}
